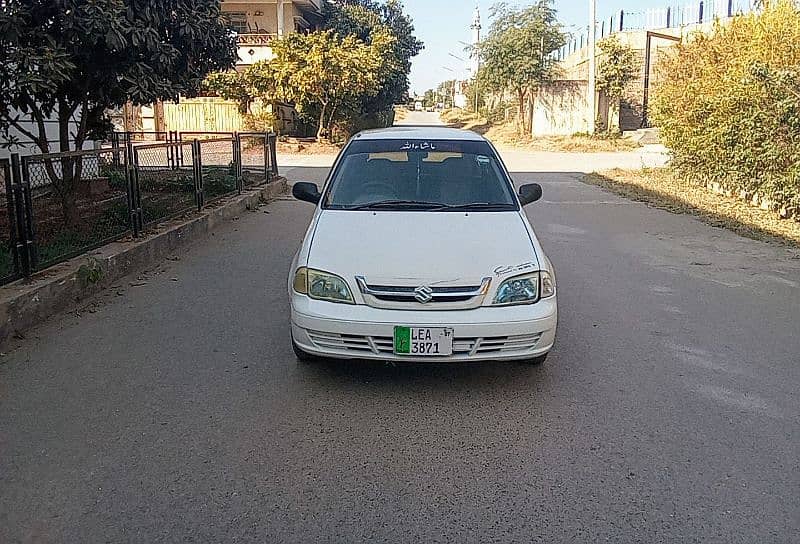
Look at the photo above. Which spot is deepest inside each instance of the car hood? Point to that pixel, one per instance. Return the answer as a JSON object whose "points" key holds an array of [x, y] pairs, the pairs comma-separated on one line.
{"points": [[412, 248]]}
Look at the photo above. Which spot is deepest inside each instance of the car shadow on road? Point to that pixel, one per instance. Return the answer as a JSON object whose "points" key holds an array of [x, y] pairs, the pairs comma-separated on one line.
{"points": [[455, 375]]}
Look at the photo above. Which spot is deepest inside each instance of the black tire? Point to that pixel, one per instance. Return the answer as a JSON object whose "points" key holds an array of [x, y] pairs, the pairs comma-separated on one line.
{"points": [[536, 361], [301, 355]]}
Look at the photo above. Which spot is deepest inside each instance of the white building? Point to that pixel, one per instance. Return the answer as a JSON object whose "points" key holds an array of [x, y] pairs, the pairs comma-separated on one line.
{"points": [[257, 22]]}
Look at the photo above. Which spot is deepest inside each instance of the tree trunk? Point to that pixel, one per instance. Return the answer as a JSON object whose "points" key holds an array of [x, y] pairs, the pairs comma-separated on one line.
{"points": [[66, 184], [331, 117], [321, 127], [521, 93]]}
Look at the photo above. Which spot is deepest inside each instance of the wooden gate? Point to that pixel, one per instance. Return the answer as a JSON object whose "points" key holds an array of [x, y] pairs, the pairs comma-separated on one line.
{"points": [[209, 114]]}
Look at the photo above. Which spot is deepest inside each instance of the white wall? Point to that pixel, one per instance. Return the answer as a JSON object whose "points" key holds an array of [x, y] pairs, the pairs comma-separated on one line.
{"points": [[51, 127], [561, 109]]}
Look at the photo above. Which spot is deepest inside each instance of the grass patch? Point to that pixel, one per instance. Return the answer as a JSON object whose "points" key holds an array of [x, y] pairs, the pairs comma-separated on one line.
{"points": [[306, 146], [507, 135], [661, 188]]}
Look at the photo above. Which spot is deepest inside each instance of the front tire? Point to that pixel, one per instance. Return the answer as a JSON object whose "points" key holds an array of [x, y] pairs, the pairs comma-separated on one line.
{"points": [[301, 355], [536, 361]]}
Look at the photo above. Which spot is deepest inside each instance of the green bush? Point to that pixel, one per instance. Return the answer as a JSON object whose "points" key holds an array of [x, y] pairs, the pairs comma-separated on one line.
{"points": [[728, 105]]}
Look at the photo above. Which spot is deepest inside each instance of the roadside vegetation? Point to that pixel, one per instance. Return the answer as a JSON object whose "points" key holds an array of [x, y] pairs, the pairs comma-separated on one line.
{"points": [[515, 67], [73, 63], [504, 134], [513, 55], [728, 107], [661, 188], [343, 78]]}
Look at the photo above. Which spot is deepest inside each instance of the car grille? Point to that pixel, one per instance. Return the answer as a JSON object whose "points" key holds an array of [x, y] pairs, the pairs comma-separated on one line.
{"points": [[463, 347], [434, 298]]}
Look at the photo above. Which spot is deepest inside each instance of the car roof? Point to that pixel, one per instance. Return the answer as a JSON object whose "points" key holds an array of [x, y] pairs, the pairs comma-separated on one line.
{"points": [[420, 133]]}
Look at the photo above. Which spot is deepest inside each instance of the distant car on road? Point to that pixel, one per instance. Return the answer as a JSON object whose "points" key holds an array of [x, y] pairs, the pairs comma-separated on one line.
{"points": [[420, 250], [418, 106]]}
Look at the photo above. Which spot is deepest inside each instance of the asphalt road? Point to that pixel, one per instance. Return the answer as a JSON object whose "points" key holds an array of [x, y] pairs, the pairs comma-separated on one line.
{"points": [[420, 118], [171, 408]]}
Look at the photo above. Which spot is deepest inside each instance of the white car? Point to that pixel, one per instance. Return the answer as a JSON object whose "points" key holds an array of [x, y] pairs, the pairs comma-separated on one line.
{"points": [[419, 250]]}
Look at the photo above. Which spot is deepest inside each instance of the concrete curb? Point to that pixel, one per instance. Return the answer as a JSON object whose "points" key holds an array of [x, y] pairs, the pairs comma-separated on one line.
{"points": [[30, 301]]}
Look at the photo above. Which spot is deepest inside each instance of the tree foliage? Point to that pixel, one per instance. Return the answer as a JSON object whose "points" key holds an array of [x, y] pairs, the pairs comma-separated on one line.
{"points": [[514, 53], [73, 61], [325, 75], [728, 105], [430, 99], [618, 66], [76, 60], [371, 20], [446, 92]]}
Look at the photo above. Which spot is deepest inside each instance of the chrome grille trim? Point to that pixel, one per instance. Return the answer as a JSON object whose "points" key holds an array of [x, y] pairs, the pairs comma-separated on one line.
{"points": [[405, 291], [463, 347], [393, 295]]}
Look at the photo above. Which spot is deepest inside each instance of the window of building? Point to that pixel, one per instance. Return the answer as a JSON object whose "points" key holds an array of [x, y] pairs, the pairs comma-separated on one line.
{"points": [[237, 20]]}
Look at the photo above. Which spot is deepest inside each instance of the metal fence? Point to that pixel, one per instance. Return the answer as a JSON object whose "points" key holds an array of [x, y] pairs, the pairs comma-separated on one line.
{"points": [[671, 16], [61, 205], [167, 182], [74, 202], [9, 257]]}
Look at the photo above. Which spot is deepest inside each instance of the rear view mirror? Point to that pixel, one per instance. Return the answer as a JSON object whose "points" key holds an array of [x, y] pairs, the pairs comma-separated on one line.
{"points": [[306, 191], [530, 193]]}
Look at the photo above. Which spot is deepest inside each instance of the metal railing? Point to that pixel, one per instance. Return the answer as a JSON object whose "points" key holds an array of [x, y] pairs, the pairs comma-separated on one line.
{"points": [[255, 38], [61, 205], [671, 16]]}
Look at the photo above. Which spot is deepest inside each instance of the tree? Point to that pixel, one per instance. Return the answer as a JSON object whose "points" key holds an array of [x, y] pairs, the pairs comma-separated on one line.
{"points": [[617, 68], [515, 51], [371, 19], [727, 105], [76, 60], [446, 91], [325, 75], [73, 61], [429, 99]]}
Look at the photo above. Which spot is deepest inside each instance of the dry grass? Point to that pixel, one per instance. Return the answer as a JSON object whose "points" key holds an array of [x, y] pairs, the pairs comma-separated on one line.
{"points": [[400, 113], [306, 146], [660, 188], [466, 120], [507, 135]]}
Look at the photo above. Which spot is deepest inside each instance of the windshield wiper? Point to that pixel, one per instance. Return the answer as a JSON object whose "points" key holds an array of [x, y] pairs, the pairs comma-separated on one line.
{"points": [[410, 204], [484, 206]]}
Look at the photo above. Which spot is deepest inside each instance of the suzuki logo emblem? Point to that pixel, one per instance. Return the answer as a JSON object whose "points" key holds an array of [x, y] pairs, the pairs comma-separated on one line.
{"points": [[423, 294]]}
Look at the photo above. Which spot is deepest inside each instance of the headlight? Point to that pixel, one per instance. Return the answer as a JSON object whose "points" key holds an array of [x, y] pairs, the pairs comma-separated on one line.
{"points": [[519, 290], [322, 286], [548, 284]]}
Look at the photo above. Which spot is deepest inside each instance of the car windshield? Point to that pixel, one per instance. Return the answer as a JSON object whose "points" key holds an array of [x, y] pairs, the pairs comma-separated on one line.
{"points": [[420, 175]]}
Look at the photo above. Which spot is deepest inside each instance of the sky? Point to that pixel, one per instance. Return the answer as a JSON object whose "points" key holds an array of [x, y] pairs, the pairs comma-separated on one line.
{"points": [[443, 24]]}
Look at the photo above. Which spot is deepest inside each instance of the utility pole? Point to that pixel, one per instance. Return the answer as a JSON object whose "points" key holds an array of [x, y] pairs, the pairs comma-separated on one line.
{"points": [[592, 97]]}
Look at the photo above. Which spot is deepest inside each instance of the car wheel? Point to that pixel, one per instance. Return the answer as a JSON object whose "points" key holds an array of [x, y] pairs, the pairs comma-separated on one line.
{"points": [[301, 355], [536, 361]]}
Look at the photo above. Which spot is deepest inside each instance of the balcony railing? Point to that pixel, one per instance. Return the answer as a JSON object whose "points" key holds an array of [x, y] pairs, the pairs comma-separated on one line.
{"points": [[255, 39]]}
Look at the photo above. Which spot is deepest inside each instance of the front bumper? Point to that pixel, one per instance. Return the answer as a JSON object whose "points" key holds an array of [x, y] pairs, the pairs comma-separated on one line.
{"points": [[344, 331]]}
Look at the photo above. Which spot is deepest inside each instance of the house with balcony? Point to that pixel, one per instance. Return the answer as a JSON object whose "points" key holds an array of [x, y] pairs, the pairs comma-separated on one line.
{"points": [[257, 22]]}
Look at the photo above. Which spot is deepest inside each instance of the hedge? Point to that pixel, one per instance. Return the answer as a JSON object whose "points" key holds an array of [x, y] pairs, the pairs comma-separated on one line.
{"points": [[728, 106]]}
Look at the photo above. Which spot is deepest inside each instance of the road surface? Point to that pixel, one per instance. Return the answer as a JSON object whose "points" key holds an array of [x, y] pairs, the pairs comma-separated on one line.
{"points": [[420, 118], [171, 408]]}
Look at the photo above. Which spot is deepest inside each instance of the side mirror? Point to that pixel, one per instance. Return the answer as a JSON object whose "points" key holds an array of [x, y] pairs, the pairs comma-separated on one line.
{"points": [[307, 192], [530, 193]]}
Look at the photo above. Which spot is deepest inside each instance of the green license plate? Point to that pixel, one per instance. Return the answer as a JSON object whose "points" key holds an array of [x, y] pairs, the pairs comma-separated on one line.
{"points": [[423, 341]]}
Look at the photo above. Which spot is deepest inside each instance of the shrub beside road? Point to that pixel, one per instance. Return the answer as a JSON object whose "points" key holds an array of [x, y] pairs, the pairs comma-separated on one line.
{"points": [[728, 107], [661, 188], [507, 135]]}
